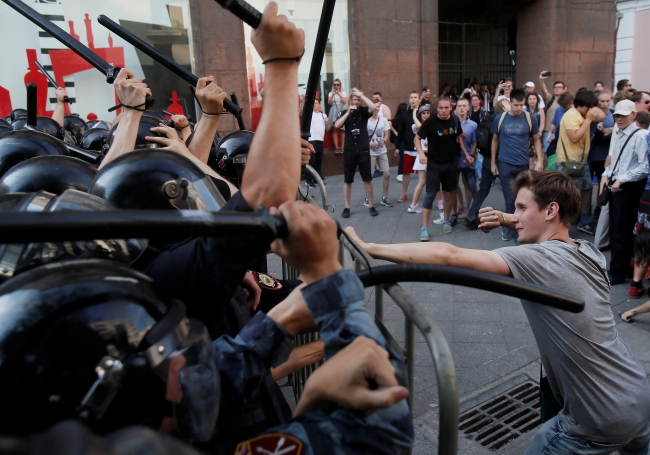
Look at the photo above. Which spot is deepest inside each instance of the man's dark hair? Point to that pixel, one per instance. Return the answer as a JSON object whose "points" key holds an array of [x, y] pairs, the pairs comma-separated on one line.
{"points": [[620, 96], [565, 100], [518, 94], [643, 119], [559, 82], [585, 98], [622, 83], [637, 96], [425, 88], [378, 93], [599, 82], [551, 186], [445, 98], [475, 95]]}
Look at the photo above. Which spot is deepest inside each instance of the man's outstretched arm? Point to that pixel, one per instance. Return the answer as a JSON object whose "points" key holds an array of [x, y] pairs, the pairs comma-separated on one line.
{"points": [[437, 253], [273, 167]]}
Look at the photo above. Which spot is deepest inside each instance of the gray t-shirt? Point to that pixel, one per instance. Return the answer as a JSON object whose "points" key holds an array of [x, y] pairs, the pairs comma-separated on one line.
{"points": [[514, 138], [590, 369]]}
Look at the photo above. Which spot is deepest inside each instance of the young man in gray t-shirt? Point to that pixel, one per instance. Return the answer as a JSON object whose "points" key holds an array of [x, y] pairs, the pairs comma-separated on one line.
{"points": [[592, 372]]}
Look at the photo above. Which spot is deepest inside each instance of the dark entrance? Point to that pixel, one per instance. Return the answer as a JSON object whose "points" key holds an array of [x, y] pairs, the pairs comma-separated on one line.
{"points": [[477, 41]]}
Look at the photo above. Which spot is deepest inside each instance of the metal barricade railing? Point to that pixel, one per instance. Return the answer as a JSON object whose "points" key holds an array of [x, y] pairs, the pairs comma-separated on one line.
{"points": [[415, 316]]}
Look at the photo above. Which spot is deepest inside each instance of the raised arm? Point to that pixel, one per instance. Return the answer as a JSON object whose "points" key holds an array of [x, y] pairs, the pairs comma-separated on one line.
{"points": [[210, 98], [59, 110], [273, 167], [131, 92], [437, 253], [545, 94]]}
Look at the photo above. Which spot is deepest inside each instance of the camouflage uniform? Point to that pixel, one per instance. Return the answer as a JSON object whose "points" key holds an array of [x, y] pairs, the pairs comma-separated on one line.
{"points": [[337, 304]]}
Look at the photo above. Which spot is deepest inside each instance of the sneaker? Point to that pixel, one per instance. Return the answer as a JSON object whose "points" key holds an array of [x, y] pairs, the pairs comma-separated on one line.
{"points": [[346, 213], [463, 213], [446, 227], [424, 234], [399, 178], [635, 292], [376, 174], [417, 208], [505, 235], [453, 219], [312, 185], [440, 206], [373, 211], [440, 220], [385, 201], [366, 203], [587, 228], [470, 224], [461, 208]]}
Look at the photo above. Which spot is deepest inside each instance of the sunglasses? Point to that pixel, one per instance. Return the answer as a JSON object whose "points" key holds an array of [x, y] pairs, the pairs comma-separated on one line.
{"points": [[337, 85]]}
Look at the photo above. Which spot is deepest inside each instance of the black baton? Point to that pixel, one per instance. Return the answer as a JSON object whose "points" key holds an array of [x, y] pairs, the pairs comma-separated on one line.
{"points": [[160, 58], [31, 104], [242, 10], [49, 78]]}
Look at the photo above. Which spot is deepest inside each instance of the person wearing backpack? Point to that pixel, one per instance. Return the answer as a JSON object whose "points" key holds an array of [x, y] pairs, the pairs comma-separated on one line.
{"points": [[484, 147], [512, 131]]}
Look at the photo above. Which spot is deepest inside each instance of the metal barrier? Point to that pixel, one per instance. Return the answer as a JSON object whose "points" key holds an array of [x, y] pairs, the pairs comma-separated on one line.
{"points": [[414, 316]]}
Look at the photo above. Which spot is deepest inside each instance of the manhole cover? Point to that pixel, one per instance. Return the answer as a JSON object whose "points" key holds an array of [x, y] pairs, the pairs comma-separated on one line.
{"points": [[496, 422]]}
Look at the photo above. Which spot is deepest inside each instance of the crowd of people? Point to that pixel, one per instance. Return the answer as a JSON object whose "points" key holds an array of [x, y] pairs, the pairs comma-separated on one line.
{"points": [[190, 336]]}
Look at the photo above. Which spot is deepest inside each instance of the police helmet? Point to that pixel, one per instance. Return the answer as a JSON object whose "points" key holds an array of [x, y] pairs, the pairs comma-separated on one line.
{"points": [[18, 123], [16, 113], [96, 341], [4, 129], [99, 124], [3, 122], [156, 179], [17, 258], [144, 130], [51, 173], [18, 146], [95, 139], [50, 126], [232, 154], [75, 125]]}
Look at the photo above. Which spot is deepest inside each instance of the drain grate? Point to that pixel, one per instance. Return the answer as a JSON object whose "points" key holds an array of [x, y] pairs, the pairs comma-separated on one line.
{"points": [[496, 422]]}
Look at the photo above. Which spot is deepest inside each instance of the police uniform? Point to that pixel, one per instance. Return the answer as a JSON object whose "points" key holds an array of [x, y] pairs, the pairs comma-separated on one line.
{"points": [[337, 304]]}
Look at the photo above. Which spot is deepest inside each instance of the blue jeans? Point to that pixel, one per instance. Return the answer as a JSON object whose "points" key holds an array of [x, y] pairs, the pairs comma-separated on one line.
{"points": [[544, 143], [507, 173], [478, 166], [552, 439], [483, 188]]}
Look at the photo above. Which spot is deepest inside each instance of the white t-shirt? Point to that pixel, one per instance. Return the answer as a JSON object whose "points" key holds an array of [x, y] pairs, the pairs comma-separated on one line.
{"points": [[317, 130], [378, 136], [336, 99], [381, 111]]}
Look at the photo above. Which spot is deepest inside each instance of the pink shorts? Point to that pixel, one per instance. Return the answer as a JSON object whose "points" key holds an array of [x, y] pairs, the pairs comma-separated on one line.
{"points": [[407, 164]]}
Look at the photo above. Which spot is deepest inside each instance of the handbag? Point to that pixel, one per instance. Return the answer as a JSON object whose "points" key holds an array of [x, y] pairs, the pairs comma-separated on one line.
{"points": [[603, 198], [549, 405], [574, 168]]}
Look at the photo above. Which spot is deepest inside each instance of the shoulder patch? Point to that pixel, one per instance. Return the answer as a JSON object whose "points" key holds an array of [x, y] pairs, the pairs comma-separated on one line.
{"points": [[267, 282], [271, 444]]}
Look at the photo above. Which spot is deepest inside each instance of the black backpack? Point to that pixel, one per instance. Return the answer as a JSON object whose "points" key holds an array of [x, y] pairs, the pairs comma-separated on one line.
{"points": [[483, 134]]}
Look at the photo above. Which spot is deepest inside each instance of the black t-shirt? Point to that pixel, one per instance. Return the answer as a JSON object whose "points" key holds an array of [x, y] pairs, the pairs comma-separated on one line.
{"points": [[442, 134], [356, 135], [475, 116]]}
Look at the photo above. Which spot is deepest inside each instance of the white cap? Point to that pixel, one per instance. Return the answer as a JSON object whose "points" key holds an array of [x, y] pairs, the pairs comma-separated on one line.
{"points": [[624, 107], [529, 84]]}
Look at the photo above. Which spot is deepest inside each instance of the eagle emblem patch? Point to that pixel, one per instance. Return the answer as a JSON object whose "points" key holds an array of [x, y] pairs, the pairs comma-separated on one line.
{"points": [[267, 282], [271, 444]]}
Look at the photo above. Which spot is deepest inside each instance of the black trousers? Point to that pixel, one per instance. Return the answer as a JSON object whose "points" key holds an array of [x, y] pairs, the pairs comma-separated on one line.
{"points": [[316, 159], [400, 165], [623, 212]]}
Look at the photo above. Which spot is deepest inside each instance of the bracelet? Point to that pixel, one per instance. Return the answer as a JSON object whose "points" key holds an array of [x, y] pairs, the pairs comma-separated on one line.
{"points": [[209, 113], [296, 59], [503, 217], [135, 108]]}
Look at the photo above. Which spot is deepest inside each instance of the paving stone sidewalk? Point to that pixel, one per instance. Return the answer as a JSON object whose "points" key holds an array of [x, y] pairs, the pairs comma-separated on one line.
{"points": [[489, 335]]}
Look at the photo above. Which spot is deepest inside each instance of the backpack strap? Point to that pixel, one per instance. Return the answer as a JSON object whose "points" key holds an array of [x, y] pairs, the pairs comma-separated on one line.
{"points": [[530, 123], [503, 117]]}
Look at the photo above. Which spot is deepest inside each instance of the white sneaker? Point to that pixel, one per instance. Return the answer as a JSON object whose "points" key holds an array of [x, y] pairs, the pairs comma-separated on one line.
{"points": [[440, 220], [365, 202], [400, 177]]}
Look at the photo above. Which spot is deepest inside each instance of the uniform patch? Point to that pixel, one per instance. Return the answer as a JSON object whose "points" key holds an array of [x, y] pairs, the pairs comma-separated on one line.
{"points": [[267, 282], [270, 444]]}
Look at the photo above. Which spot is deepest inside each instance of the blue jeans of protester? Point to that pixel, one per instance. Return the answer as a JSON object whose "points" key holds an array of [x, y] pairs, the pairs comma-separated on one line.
{"points": [[544, 143], [483, 188], [507, 173], [552, 439]]}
